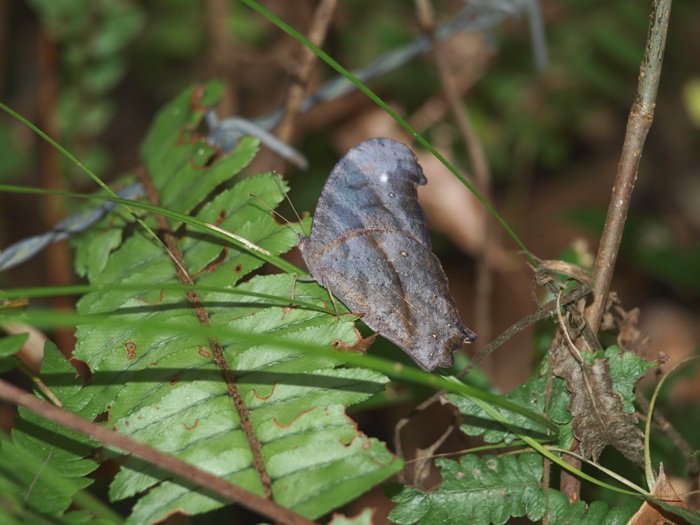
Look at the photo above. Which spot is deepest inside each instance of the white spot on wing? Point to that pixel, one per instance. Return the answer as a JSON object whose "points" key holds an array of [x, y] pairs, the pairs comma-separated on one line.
{"points": [[384, 178]]}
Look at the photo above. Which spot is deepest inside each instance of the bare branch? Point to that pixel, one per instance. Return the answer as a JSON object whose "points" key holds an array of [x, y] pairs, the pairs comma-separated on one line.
{"points": [[638, 124], [210, 482]]}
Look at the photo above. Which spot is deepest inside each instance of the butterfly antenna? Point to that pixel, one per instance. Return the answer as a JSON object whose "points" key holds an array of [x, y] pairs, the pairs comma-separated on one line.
{"points": [[275, 212], [286, 196]]}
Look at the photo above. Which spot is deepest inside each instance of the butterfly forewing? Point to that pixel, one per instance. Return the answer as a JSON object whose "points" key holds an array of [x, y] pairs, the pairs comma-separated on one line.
{"points": [[372, 186], [370, 247]]}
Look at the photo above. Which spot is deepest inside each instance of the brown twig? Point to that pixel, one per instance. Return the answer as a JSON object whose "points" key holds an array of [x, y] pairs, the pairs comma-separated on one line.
{"points": [[542, 312], [320, 23], [210, 482], [638, 124], [220, 56], [57, 256]]}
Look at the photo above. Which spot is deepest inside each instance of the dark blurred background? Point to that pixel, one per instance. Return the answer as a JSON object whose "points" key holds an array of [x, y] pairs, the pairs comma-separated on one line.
{"points": [[92, 74]]}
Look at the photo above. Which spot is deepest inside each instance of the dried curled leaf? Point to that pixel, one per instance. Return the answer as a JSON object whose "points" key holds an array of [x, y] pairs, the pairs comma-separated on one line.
{"points": [[598, 410], [666, 508]]}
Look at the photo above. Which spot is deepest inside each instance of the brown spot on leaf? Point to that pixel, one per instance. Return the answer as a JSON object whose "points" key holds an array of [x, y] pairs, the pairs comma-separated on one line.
{"points": [[193, 163], [174, 380], [194, 425], [186, 136], [103, 417], [159, 301], [82, 369], [280, 425], [238, 268], [360, 346], [196, 98], [286, 310], [346, 444], [213, 265], [220, 217], [204, 352], [265, 398], [130, 350]]}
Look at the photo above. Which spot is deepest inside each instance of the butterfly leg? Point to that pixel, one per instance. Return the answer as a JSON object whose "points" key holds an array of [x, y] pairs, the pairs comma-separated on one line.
{"points": [[287, 309], [330, 294]]}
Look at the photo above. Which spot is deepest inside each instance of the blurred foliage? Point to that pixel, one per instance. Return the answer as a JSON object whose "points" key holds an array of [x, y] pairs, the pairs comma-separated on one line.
{"points": [[527, 121], [652, 246], [91, 37], [594, 53], [16, 154]]}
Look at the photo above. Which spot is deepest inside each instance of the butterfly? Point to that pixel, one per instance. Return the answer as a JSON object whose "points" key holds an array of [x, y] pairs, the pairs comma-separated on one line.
{"points": [[370, 247]]}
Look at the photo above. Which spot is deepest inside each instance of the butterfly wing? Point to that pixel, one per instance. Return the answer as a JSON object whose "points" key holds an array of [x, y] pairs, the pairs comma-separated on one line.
{"points": [[402, 290], [372, 186], [370, 247]]}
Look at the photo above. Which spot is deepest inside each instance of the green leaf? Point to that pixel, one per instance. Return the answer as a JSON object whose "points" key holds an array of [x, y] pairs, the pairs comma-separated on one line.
{"points": [[492, 490], [175, 123], [626, 369], [478, 491], [9, 346], [43, 460], [531, 395], [561, 512], [94, 247], [160, 377]]}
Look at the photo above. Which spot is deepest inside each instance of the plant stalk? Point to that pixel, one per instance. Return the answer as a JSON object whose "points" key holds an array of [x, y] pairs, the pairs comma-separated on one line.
{"points": [[638, 124]]}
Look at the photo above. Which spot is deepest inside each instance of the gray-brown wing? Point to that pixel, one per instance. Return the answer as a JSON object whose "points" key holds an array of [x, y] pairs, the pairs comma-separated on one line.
{"points": [[400, 287], [372, 186]]}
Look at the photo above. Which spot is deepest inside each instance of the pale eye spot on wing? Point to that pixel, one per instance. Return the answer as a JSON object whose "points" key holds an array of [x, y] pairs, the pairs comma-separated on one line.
{"points": [[434, 336], [403, 253], [384, 178]]}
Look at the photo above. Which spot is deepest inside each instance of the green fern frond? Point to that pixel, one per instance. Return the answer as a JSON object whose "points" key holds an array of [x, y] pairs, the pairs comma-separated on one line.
{"points": [[492, 490], [44, 466], [531, 395], [266, 417]]}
